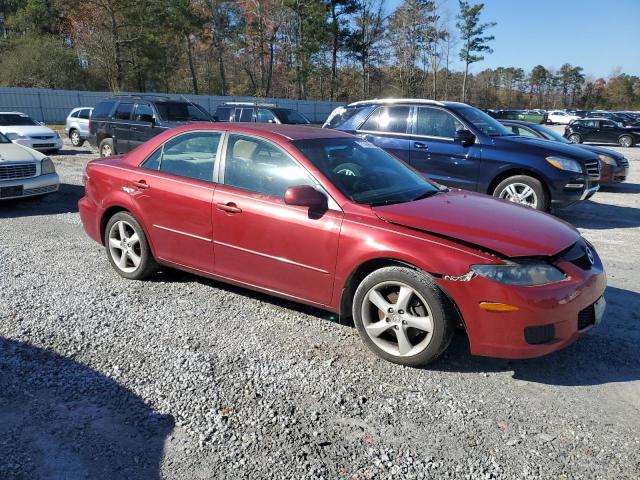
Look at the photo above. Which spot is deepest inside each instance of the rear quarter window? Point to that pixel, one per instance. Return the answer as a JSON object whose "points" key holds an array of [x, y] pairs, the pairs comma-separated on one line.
{"points": [[102, 110]]}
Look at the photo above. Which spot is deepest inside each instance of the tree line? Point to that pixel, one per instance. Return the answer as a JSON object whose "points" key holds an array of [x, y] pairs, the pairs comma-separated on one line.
{"points": [[341, 50]]}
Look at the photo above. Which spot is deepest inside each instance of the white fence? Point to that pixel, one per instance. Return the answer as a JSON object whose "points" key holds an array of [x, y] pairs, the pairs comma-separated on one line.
{"points": [[53, 106]]}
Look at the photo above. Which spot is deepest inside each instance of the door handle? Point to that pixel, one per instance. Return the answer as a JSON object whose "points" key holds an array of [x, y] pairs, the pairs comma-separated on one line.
{"points": [[229, 207], [141, 184], [420, 145]]}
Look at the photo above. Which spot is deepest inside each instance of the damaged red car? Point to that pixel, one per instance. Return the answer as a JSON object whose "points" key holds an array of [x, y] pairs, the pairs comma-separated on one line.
{"points": [[325, 218]]}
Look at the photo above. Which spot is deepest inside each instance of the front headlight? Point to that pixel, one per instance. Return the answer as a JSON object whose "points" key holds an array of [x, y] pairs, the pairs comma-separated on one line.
{"points": [[47, 166], [522, 273], [14, 136], [608, 160], [565, 164]]}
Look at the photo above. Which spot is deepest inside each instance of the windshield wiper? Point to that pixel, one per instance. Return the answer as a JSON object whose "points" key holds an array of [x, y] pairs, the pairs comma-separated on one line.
{"points": [[427, 194]]}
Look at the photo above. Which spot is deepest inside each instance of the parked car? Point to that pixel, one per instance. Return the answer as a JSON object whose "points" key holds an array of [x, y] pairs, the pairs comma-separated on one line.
{"points": [[536, 116], [258, 112], [602, 131], [25, 172], [614, 167], [618, 117], [561, 117], [460, 146], [407, 259], [120, 124], [24, 130], [77, 125]]}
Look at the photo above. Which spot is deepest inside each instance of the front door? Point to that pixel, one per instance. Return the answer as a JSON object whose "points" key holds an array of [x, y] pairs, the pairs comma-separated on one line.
{"points": [[388, 128], [173, 189], [261, 241], [435, 152]]}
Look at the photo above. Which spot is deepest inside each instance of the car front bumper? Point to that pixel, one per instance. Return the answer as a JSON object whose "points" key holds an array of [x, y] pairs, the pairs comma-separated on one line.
{"points": [[569, 190], [549, 317], [29, 187], [41, 145]]}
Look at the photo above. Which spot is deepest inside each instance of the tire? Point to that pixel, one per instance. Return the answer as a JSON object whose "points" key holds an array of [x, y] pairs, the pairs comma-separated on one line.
{"points": [[626, 141], [426, 306], [348, 169], [523, 190], [76, 139], [106, 147], [575, 138], [123, 260]]}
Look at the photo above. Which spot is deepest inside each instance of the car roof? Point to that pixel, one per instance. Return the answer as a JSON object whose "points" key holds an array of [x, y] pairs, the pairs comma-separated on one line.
{"points": [[412, 101], [282, 131], [150, 98], [13, 113]]}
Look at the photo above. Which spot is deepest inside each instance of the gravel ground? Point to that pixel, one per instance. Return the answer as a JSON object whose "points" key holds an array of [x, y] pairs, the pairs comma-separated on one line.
{"points": [[182, 377]]}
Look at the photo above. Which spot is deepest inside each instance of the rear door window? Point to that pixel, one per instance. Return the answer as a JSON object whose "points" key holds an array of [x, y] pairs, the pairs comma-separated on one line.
{"points": [[123, 112], [393, 119]]}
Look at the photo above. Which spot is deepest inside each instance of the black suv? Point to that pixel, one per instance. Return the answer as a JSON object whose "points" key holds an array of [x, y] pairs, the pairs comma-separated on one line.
{"points": [[258, 112], [601, 131], [119, 124]]}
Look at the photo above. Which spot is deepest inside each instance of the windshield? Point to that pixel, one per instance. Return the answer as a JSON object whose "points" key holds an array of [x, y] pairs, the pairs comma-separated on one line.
{"points": [[551, 135], [488, 125], [11, 119], [364, 173], [182, 112], [4, 139], [290, 116]]}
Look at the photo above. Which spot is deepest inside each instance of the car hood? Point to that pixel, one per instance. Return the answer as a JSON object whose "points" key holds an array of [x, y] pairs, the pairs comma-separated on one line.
{"points": [[601, 151], [11, 152], [545, 147], [27, 130], [485, 222]]}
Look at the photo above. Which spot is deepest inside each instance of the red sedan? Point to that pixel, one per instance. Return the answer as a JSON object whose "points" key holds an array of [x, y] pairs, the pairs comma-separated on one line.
{"points": [[324, 218]]}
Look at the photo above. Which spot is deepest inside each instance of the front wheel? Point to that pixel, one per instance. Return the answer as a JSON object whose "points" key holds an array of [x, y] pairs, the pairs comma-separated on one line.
{"points": [[626, 141], [401, 315], [523, 190], [76, 139], [127, 247], [575, 138]]}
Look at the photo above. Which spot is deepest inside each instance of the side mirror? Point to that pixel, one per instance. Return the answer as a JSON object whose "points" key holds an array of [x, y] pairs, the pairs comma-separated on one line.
{"points": [[304, 196], [465, 137]]}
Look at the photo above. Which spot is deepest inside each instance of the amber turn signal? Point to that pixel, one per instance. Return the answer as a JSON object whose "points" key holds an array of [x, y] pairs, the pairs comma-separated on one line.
{"points": [[498, 307]]}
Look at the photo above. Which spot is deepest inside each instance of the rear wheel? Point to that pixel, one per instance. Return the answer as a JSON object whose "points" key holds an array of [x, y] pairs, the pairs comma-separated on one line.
{"points": [[523, 190], [626, 141], [76, 139], [575, 138], [127, 247], [401, 315], [106, 148]]}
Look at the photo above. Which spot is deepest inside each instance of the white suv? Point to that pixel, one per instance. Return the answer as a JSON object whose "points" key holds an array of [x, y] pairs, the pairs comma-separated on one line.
{"points": [[561, 117]]}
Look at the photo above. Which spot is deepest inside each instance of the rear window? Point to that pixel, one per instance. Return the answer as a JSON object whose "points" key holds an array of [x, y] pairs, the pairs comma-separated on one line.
{"points": [[102, 110]]}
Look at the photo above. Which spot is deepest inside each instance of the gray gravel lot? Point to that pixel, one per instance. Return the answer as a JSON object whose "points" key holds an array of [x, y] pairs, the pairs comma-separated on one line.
{"points": [[183, 377]]}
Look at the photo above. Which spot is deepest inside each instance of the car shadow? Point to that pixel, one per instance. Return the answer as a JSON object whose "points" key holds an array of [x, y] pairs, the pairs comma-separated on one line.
{"points": [[621, 188], [65, 200], [61, 419], [70, 152], [600, 216]]}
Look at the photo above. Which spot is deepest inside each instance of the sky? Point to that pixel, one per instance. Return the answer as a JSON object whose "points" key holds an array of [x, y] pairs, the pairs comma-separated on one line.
{"points": [[598, 35]]}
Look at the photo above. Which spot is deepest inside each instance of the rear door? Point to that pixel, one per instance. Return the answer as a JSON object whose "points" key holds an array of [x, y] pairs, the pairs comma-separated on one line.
{"points": [[608, 131], [388, 127], [143, 125], [173, 189], [83, 122], [435, 152], [121, 127]]}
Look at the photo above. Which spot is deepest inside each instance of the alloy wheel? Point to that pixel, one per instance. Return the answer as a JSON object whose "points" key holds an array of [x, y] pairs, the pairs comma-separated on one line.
{"points": [[625, 141], [397, 319], [106, 150], [521, 194], [75, 138], [124, 246]]}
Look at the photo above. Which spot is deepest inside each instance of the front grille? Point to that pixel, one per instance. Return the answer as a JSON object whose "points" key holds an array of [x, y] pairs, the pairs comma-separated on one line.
{"points": [[593, 168], [577, 254], [540, 334], [40, 190], [41, 137], [587, 317], [23, 170]]}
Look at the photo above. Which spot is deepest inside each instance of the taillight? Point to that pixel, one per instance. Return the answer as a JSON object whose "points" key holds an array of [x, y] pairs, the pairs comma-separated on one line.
{"points": [[90, 127]]}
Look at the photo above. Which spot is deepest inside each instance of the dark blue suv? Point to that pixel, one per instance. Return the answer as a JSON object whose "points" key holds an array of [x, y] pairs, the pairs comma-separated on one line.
{"points": [[460, 146]]}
